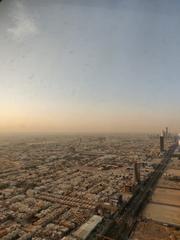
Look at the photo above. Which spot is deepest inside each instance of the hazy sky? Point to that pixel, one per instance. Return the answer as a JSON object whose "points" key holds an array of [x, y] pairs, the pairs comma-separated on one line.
{"points": [[89, 65]]}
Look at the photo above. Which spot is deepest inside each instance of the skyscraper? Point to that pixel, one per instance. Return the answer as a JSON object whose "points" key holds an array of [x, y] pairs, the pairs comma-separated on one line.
{"points": [[162, 142], [167, 132]]}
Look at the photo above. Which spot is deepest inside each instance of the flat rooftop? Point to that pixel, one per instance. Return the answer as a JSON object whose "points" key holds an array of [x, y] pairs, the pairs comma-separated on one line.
{"points": [[84, 231], [165, 203], [177, 152]]}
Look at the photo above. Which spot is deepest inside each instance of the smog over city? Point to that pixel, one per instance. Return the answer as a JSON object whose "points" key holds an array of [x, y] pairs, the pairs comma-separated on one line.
{"points": [[89, 120]]}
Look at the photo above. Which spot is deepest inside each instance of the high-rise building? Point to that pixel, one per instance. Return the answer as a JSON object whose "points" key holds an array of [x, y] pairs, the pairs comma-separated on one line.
{"points": [[162, 142], [137, 177], [167, 132]]}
